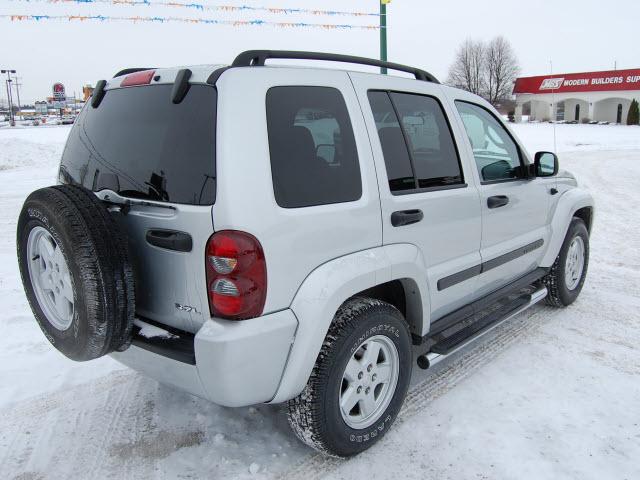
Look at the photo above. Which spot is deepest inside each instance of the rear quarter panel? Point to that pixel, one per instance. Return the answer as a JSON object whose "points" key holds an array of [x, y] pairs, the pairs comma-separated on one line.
{"points": [[295, 240]]}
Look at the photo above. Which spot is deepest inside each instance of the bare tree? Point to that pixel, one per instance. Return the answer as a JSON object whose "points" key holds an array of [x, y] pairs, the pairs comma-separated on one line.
{"points": [[468, 69], [501, 69], [486, 69]]}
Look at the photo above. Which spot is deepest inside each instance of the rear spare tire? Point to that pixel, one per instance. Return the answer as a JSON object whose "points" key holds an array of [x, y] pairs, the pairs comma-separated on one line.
{"points": [[76, 272]]}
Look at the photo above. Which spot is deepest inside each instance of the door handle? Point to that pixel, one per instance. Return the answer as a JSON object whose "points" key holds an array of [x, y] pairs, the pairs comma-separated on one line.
{"points": [[497, 201], [406, 217], [170, 239]]}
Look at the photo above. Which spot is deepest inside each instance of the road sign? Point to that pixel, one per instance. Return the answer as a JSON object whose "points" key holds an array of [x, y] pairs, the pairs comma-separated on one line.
{"points": [[58, 92]]}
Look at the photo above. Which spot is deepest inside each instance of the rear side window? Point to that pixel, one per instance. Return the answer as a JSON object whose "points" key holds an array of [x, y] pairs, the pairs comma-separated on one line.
{"points": [[314, 160], [417, 143], [394, 148], [141, 145]]}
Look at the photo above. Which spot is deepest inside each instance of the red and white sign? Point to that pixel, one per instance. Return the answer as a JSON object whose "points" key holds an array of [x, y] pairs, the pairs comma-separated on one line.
{"points": [[58, 92], [580, 82]]}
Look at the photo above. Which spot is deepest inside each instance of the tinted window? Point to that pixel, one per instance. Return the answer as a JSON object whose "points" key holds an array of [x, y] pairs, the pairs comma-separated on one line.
{"points": [[139, 144], [313, 153], [497, 155], [394, 148], [429, 138]]}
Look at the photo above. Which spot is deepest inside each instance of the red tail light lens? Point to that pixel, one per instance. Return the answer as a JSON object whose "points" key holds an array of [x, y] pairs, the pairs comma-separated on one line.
{"points": [[138, 78], [236, 275]]}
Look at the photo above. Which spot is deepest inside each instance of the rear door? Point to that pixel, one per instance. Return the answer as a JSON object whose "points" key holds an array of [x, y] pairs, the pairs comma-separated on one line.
{"points": [[420, 171], [154, 162], [514, 208]]}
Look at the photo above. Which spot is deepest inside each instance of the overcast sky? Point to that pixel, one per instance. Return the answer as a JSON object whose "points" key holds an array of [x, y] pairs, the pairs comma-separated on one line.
{"points": [[576, 35]]}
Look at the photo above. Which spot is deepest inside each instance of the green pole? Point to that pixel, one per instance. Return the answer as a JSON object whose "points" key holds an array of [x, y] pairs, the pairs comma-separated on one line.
{"points": [[383, 34]]}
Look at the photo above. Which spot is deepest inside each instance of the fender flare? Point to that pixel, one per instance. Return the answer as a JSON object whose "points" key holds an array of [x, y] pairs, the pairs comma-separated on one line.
{"points": [[329, 286], [568, 204]]}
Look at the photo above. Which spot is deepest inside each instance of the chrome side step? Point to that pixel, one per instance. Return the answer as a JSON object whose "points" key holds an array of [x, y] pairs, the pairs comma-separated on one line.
{"points": [[463, 337]]}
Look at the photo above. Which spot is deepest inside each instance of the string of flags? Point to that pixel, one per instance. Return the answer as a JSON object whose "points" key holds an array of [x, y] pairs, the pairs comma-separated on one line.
{"points": [[207, 21], [223, 8]]}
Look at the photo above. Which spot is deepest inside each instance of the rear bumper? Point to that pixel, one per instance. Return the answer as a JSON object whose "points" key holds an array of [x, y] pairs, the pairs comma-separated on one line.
{"points": [[237, 363]]}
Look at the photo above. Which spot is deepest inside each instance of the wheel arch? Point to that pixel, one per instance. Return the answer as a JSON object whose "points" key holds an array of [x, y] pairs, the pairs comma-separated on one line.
{"points": [[393, 273], [586, 215], [573, 203]]}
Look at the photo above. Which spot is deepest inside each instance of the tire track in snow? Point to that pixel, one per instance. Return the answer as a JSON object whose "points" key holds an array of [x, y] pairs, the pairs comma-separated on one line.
{"points": [[121, 415], [29, 431], [446, 376]]}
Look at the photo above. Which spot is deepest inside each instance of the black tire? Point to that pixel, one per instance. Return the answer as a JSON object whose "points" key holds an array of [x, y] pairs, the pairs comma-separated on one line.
{"points": [[559, 295], [96, 253], [315, 415]]}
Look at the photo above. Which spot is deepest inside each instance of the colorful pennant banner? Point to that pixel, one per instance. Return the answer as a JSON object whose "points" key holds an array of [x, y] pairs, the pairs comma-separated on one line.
{"points": [[202, 6], [207, 21]]}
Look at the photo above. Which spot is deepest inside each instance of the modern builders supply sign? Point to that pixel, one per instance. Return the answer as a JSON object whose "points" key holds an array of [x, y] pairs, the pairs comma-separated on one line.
{"points": [[580, 82]]}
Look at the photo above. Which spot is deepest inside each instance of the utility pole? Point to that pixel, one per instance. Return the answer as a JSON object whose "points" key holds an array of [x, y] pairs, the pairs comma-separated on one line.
{"points": [[17, 84], [12, 121], [383, 33]]}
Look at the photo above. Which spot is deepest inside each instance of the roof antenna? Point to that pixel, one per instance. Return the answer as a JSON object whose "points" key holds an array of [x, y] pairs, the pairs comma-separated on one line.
{"points": [[554, 117]]}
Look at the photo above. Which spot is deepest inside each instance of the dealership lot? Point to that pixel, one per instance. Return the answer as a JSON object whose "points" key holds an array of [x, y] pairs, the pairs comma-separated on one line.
{"points": [[549, 394]]}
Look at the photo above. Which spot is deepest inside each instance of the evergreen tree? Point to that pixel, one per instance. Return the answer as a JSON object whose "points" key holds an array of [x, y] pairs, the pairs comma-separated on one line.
{"points": [[633, 117]]}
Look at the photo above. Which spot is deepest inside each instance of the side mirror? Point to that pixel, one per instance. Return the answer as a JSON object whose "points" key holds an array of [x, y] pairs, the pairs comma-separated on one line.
{"points": [[546, 164]]}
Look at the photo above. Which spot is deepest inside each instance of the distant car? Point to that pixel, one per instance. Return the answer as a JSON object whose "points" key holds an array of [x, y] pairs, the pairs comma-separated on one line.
{"points": [[68, 120], [269, 234]]}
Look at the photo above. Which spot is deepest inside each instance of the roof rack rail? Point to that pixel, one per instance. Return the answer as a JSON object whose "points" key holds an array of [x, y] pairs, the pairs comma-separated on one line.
{"points": [[258, 57], [127, 71]]}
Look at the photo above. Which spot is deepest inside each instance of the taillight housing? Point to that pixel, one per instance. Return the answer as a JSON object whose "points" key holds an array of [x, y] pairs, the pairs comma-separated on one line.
{"points": [[138, 78], [236, 275]]}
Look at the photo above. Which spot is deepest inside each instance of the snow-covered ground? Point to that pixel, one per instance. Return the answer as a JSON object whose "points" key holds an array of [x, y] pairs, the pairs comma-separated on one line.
{"points": [[549, 394]]}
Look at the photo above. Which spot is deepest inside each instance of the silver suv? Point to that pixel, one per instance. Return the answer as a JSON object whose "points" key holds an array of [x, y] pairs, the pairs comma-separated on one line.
{"points": [[273, 234]]}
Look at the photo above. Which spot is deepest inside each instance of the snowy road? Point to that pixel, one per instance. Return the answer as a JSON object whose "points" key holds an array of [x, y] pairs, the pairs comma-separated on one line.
{"points": [[549, 394]]}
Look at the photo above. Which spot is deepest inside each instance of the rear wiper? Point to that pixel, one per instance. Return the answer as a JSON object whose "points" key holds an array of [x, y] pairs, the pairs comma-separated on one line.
{"points": [[109, 196]]}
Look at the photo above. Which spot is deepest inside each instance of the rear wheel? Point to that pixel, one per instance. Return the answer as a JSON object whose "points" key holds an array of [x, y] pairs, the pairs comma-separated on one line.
{"points": [[76, 272], [566, 278], [359, 381]]}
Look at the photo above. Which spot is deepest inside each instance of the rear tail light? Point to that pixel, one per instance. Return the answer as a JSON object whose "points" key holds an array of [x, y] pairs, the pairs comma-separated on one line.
{"points": [[236, 275]]}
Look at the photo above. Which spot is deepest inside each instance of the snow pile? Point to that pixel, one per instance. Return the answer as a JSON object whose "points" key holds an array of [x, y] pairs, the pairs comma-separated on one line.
{"points": [[577, 138], [31, 147], [550, 394]]}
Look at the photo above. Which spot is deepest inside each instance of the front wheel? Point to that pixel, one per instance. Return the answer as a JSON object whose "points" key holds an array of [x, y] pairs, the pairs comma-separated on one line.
{"points": [[566, 278], [359, 381]]}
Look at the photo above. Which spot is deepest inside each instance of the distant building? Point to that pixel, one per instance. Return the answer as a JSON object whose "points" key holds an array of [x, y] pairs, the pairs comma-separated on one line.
{"points": [[581, 97], [87, 91]]}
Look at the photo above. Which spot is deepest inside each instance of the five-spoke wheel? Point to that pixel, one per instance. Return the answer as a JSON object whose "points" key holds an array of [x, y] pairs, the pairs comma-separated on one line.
{"points": [[369, 381], [49, 274]]}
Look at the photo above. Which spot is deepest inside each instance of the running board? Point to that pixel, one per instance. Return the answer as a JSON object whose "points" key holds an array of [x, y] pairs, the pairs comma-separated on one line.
{"points": [[446, 345]]}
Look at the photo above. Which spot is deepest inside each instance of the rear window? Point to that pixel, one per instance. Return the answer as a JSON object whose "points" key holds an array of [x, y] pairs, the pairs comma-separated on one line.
{"points": [[313, 153], [141, 145]]}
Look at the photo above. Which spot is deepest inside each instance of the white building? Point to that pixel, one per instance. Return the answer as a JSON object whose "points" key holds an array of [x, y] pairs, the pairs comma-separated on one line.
{"points": [[580, 97]]}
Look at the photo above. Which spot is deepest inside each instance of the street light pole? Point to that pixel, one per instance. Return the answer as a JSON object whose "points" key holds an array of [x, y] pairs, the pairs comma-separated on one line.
{"points": [[12, 121], [383, 33]]}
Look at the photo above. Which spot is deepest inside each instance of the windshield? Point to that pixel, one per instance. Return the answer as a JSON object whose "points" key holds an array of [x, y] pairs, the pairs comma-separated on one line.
{"points": [[141, 145]]}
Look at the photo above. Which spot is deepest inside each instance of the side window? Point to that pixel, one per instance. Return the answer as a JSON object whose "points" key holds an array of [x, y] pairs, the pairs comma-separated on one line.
{"points": [[497, 155], [434, 154], [419, 151], [314, 160], [394, 148]]}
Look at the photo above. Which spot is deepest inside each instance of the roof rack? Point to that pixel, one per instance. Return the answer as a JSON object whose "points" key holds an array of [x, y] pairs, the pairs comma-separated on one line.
{"points": [[127, 71], [252, 58]]}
